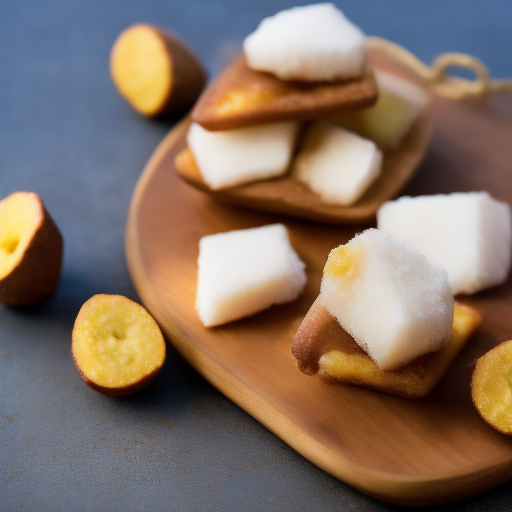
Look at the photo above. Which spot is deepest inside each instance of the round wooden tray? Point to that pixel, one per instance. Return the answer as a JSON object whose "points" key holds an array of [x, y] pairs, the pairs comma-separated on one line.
{"points": [[407, 452]]}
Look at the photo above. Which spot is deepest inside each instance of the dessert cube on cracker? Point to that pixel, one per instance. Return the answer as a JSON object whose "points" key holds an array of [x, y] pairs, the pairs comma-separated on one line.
{"points": [[469, 234], [245, 271], [311, 43], [321, 346], [389, 297], [232, 157], [337, 164]]}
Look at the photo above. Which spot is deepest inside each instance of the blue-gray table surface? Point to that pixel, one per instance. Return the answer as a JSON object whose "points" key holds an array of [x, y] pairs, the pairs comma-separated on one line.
{"points": [[67, 135]]}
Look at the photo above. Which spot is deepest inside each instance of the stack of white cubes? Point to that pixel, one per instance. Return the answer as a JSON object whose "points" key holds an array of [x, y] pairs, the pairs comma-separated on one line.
{"points": [[312, 43]]}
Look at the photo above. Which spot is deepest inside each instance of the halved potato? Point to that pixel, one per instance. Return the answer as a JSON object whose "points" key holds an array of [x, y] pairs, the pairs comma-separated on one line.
{"points": [[155, 71], [30, 250], [117, 346]]}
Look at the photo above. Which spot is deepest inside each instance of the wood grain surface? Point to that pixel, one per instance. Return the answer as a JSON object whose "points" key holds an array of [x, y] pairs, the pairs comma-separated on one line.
{"points": [[429, 451]]}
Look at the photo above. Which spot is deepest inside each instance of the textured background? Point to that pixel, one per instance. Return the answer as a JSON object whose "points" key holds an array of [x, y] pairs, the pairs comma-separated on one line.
{"points": [[67, 135]]}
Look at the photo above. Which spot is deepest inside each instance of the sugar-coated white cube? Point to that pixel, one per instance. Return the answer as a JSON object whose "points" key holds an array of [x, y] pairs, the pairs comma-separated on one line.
{"points": [[245, 271], [312, 43], [467, 233], [232, 157], [388, 297], [337, 164]]}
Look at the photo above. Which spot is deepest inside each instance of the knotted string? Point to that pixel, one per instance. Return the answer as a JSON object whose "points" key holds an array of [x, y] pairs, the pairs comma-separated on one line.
{"points": [[442, 83]]}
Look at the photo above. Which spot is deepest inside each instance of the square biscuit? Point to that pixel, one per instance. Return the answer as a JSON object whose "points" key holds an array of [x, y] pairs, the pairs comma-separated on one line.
{"points": [[321, 346], [242, 97]]}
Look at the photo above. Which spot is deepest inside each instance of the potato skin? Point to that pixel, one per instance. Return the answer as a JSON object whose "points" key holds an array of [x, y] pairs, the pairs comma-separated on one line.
{"points": [[119, 392], [189, 76], [37, 272]]}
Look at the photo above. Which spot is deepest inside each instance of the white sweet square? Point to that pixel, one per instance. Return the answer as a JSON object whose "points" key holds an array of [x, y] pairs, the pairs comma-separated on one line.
{"points": [[232, 157], [337, 164], [469, 234], [388, 297], [311, 43], [245, 271]]}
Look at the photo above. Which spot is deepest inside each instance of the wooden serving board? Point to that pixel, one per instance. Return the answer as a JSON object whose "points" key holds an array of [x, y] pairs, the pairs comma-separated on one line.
{"points": [[406, 452]]}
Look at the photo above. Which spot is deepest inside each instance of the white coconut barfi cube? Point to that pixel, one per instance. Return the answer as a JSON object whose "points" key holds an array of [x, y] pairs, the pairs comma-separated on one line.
{"points": [[312, 43], [232, 157], [337, 164], [388, 121], [388, 297], [469, 234], [245, 271]]}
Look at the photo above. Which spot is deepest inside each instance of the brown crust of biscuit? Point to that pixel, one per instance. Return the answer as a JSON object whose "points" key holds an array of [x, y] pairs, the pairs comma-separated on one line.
{"points": [[242, 97], [320, 336], [37, 271]]}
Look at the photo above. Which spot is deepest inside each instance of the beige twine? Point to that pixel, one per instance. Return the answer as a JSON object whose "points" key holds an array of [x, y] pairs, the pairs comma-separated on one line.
{"points": [[442, 83]]}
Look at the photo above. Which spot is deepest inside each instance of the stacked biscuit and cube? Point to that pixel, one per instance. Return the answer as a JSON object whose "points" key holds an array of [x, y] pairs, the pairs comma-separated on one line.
{"points": [[303, 64], [391, 289]]}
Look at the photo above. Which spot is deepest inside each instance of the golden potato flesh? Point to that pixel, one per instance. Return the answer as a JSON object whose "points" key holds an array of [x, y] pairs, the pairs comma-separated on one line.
{"points": [[491, 387], [20, 216], [117, 346], [141, 68]]}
